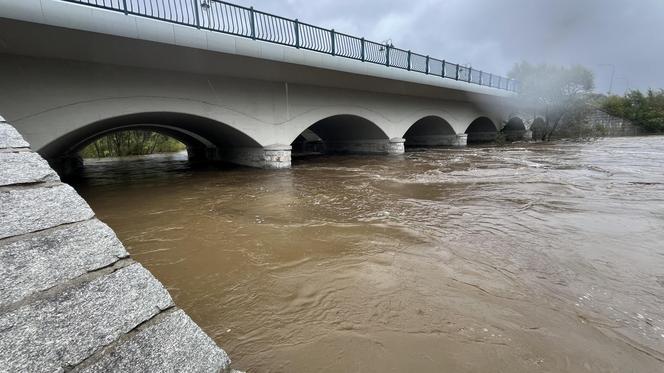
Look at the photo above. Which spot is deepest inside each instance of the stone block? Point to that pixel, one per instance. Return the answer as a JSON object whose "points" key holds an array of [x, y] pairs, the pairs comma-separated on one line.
{"points": [[60, 331], [270, 157], [24, 167], [28, 210], [40, 261], [10, 138], [174, 344], [396, 146], [374, 146]]}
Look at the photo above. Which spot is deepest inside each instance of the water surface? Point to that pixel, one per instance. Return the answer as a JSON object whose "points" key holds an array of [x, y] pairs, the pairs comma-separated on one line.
{"points": [[525, 258]]}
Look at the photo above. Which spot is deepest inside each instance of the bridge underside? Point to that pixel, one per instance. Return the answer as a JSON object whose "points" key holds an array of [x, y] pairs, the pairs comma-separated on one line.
{"points": [[433, 131]]}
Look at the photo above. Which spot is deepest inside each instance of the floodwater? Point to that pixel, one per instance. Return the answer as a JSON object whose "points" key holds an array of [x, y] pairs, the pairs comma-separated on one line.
{"points": [[524, 258]]}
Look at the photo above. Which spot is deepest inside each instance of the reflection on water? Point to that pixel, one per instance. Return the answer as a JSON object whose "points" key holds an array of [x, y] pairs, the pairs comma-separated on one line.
{"points": [[525, 258]]}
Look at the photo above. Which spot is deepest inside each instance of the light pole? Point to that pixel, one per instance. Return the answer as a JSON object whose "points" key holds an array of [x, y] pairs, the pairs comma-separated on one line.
{"points": [[627, 85], [613, 73]]}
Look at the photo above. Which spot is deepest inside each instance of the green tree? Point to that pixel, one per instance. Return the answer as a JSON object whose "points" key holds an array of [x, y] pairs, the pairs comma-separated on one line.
{"points": [[643, 109], [132, 142], [555, 92]]}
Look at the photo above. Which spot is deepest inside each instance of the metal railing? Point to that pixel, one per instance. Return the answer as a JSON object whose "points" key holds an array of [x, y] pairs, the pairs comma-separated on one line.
{"points": [[237, 20]]}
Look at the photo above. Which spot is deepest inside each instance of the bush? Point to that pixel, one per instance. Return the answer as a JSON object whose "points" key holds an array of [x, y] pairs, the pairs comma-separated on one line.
{"points": [[644, 110]]}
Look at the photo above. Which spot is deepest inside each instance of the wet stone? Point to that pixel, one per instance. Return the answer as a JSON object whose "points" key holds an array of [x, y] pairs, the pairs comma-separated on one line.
{"points": [[40, 261], [31, 209], [174, 344], [60, 331], [10, 138], [23, 168]]}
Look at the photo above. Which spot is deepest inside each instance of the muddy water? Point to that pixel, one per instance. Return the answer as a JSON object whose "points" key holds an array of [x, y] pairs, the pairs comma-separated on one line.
{"points": [[526, 258]]}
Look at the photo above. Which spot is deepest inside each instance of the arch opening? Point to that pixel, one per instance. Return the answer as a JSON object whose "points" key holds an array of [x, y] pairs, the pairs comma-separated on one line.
{"points": [[343, 133], [481, 130], [515, 130], [133, 142], [205, 139], [430, 131]]}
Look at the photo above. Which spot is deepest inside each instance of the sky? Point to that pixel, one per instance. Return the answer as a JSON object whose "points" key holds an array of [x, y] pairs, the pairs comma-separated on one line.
{"points": [[623, 38]]}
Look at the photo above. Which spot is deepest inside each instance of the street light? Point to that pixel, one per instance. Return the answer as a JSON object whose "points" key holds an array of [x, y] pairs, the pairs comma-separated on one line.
{"points": [[387, 42]]}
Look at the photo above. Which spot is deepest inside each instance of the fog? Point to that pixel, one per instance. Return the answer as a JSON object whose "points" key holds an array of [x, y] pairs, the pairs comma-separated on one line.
{"points": [[625, 36]]}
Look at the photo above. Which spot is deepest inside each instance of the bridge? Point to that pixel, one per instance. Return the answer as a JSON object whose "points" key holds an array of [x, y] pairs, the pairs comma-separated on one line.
{"points": [[232, 83]]}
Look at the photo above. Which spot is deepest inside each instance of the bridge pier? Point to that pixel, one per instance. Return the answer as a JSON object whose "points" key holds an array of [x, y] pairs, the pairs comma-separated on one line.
{"points": [[67, 165], [461, 140], [372, 146], [438, 140], [481, 137], [396, 145], [518, 135], [200, 154], [275, 156]]}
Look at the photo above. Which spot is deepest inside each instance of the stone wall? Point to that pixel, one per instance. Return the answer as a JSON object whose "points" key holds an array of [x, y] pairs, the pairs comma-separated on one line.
{"points": [[269, 157], [614, 126], [72, 298]]}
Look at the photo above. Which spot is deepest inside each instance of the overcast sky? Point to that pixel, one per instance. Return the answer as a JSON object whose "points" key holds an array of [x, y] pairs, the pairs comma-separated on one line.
{"points": [[494, 34]]}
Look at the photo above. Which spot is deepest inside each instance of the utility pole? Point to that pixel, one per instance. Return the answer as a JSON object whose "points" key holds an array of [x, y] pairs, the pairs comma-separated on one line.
{"points": [[613, 73]]}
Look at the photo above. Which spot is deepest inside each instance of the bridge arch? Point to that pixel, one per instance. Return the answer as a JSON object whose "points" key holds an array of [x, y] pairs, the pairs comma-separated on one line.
{"points": [[431, 130], [514, 124], [481, 130], [342, 133], [515, 129], [204, 137]]}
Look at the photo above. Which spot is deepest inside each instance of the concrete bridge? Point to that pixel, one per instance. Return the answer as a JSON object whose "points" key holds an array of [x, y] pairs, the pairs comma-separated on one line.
{"points": [[72, 72]]}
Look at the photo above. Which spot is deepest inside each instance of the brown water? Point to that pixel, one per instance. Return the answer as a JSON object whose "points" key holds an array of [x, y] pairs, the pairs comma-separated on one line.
{"points": [[526, 258]]}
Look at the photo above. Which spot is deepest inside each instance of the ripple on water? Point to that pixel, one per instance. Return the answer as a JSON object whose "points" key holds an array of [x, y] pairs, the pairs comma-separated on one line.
{"points": [[543, 257]]}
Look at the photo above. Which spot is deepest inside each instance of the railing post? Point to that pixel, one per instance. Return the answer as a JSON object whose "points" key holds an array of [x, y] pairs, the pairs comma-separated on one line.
{"points": [[198, 20], [409, 55], [426, 69], [442, 71], [297, 33], [362, 49], [333, 42], [387, 54], [490, 80], [252, 22], [124, 7], [457, 72], [470, 75]]}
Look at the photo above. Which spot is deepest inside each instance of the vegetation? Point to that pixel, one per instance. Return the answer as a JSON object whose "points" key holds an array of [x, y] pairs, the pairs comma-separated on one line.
{"points": [[557, 93], [132, 142], [643, 109]]}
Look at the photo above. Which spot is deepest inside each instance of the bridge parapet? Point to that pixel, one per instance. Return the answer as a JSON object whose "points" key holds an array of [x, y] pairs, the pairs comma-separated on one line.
{"points": [[222, 17]]}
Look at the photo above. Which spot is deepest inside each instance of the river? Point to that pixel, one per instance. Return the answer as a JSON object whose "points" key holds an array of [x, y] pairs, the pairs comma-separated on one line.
{"points": [[522, 258]]}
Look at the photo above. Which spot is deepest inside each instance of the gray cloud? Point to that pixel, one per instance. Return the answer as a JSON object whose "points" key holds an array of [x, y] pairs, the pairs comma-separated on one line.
{"points": [[492, 35]]}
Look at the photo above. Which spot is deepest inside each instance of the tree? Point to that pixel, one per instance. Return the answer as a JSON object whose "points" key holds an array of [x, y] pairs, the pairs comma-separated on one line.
{"points": [[555, 92], [644, 110], [131, 142]]}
